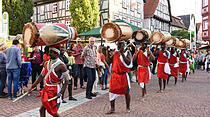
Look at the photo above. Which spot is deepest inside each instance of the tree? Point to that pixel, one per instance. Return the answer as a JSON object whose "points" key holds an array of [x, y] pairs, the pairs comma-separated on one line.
{"points": [[96, 13], [184, 34], [85, 14], [20, 12]]}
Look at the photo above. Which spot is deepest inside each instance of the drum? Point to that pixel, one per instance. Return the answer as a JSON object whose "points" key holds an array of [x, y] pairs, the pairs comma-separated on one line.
{"points": [[180, 43], [187, 42], [141, 35], [47, 34], [157, 37], [116, 31], [167, 36], [171, 41]]}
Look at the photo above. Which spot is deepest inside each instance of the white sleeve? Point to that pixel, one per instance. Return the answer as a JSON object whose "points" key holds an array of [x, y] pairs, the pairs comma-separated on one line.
{"points": [[66, 75]]}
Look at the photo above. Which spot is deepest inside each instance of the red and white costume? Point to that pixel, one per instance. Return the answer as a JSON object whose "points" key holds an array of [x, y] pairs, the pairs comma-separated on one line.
{"points": [[173, 61], [119, 82], [163, 68], [51, 88], [143, 67], [183, 63]]}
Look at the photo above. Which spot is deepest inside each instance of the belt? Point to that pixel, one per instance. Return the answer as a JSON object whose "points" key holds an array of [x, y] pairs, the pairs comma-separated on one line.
{"points": [[182, 62], [52, 85], [142, 66], [161, 63]]}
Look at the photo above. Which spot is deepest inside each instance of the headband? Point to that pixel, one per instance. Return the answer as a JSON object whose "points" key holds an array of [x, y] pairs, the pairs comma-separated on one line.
{"points": [[55, 50]]}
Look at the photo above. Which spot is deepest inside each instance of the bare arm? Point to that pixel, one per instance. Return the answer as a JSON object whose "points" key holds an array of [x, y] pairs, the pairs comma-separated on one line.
{"points": [[39, 79], [135, 54], [150, 54], [127, 58], [66, 78]]}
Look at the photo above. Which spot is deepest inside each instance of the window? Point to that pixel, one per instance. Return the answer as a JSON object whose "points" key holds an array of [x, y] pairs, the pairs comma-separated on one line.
{"points": [[124, 5], [139, 10], [67, 4], [205, 3], [205, 25], [68, 23], [41, 10], [131, 7], [55, 7]]}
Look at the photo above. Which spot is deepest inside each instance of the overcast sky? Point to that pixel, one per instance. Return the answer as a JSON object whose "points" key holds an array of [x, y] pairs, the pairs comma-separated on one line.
{"points": [[183, 7]]}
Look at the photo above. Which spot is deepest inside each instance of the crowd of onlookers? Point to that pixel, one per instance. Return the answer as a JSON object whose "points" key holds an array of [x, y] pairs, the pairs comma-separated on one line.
{"points": [[89, 64]]}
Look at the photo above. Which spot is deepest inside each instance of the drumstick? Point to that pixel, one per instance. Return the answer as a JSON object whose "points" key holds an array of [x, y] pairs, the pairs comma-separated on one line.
{"points": [[52, 98], [22, 95], [130, 44], [151, 44]]}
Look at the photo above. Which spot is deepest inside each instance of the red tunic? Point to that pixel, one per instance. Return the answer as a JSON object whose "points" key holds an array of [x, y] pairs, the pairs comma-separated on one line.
{"points": [[182, 64], [50, 92], [143, 71], [118, 81], [161, 65], [172, 62]]}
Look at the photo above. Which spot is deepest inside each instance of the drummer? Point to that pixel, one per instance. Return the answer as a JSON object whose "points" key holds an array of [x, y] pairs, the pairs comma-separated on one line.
{"points": [[163, 67], [53, 71]]}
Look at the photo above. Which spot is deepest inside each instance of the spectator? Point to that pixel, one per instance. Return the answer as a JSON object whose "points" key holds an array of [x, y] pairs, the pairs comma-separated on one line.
{"points": [[23, 56], [201, 59], [78, 67], [208, 62], [70, 68], [105, 75], [88, 57], [154, 62], [13, 65], [3, 74], [46, 56], [36, 59], [65, 60]]}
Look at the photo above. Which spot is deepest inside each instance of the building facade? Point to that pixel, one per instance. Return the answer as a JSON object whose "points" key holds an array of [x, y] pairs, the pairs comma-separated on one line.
{"points": [[157, 14], [205, 20], [52, 11], [122, 9], [177, 24]]}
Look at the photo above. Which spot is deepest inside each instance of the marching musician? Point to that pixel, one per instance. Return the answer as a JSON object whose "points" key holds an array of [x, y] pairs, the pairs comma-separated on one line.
{"points": [[120, 81], [52, 72], [144, 73], [163, 69]]}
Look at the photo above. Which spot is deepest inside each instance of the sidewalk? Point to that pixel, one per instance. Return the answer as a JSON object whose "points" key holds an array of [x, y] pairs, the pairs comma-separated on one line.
{"points": [[188, 99]]}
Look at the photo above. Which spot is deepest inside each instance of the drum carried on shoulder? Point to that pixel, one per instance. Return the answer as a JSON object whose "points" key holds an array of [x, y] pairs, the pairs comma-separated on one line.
{"points": [[47, 34], [113, 32]]}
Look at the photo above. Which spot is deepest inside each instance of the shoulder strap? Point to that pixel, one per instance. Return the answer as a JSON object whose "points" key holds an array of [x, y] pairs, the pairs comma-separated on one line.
{"points": [[50, 70]]}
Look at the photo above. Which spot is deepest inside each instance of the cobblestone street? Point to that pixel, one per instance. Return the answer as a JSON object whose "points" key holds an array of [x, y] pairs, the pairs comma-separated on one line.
{"points": [[188, 99]]}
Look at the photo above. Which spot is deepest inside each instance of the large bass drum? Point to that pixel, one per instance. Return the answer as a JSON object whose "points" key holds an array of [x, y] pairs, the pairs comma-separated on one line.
{"points": [[47, 34], [157, 37], [171, 41], [116, 31], [141, 35]]}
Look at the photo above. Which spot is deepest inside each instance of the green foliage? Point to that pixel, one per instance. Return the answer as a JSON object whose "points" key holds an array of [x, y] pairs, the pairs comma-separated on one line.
{"points": [[20, 12], [184, 34], [85, 14], [96, 13]]}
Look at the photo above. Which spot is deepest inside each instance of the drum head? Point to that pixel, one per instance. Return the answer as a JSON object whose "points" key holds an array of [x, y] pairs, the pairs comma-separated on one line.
{"points": [[157, 37], [171, 42], [30, 34], [140, 36], [111, 32]]}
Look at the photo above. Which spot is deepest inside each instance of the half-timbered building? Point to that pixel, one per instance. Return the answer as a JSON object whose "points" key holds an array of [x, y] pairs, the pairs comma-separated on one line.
{"points": [[52, 11], [157, 14], [122, 9]]}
